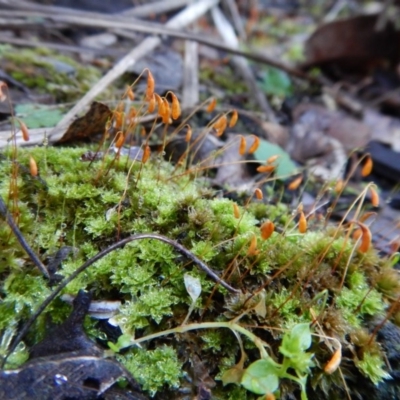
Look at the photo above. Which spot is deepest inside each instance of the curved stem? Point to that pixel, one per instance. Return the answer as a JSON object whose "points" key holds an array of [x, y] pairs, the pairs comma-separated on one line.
{"points": [[208, 325]]}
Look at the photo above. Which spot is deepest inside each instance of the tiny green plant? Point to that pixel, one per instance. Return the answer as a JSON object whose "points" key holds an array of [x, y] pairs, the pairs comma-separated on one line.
{"points": [[262, 376]]}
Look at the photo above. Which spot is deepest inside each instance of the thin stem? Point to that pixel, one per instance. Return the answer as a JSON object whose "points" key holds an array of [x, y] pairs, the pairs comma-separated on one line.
{"points": [[32, 255], [208, 325]]}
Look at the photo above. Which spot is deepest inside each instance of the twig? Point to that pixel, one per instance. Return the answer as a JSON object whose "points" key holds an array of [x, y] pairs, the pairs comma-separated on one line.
{"points": [[101, 21], [185, 17], [236, 19], [39, 135], [227, 33], [32, 255], [190, 91], [156, 8], [102, 254]]}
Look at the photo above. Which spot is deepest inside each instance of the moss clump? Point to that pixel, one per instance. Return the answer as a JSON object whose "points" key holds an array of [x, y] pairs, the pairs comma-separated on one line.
{"points": [[88, 207], [154, 369], [48, 72]]}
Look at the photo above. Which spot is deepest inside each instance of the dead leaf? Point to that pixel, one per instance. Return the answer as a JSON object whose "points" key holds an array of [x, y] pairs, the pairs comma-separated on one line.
{"points": [[314, 126], [92, 123], [353, 45]]}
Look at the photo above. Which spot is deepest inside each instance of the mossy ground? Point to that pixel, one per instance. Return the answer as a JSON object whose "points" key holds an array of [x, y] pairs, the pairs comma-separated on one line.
{"points": [[47, 71], [89, 206]]}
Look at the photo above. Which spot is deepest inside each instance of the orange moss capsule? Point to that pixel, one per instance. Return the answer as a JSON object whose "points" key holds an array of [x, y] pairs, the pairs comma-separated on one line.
{"points": [[119, 142], [265, 168], [131, 114], [267, 229], [334, 362], [236, 211], [212, 105], [150, 85], [374, 197], [259, 194], [272, 159], [188, 135], [254, 145], [146, 153], [159, 101], [118, 119], [33, 168], [357, 234], [367, 167], [130, 93], [395, 245], [234, 119], [242, 145], [175, 107], [166, 112], [252, 251], [269, 396], [143, 132], [152, 104], [302, 223], [366, 238], [220, 125], [295, 183], [161, 106], [339, 186], [24, 130]]}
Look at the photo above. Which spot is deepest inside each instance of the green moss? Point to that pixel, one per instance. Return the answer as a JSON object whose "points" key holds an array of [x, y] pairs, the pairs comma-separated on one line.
{"points": [[154, 368], [359, 300], [89, 207], [37, 69], [372, 366]]}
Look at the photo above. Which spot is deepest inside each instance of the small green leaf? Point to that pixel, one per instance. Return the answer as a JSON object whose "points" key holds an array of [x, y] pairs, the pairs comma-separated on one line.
{"points": [[261, 377], [123, 341], [297, 340], [276, 82]]}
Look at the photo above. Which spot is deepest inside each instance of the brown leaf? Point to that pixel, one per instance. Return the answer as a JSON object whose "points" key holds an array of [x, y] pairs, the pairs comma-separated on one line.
{"points": [[353, 44], [92, 123]]}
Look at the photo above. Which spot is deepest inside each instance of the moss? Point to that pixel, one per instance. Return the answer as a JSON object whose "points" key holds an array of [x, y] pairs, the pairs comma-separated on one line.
{"points": [[89, 207], [359, 300], [372, 366], [154, 368], [37, 69]]}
